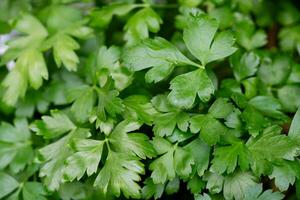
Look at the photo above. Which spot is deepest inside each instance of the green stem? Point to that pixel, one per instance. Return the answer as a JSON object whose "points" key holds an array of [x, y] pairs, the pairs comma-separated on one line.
{"points": [[107, 144], [165, 6], [158, 6]]}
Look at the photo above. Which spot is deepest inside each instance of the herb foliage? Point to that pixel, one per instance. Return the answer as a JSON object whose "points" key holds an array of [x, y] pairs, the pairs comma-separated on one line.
{"points": [[125, 99]]}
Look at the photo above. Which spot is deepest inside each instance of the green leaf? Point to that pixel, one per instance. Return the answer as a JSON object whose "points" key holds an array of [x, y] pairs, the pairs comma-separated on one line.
{"points": [[202, 197], [4, 27], [30, 65], [34, 101], [196, 184], [172, 186], [84, 100], [54, 155], [203, 42], [279, 67], [185, 88], [214, 182], [221, 108], [60, 17], [269, 106], [237, 184], [255, 121], [161, 103], [86, 159], [248, 37], [287, 14], [15, 141], [289, 38], [109, 104], [7, 184], [284, 174], [256, 193], [244, 65], [294, 131], [173, 160], [138, 107], [163, 168], [165, 123], [54, 126], [201, 154], [121, 172], [157, 53], [271, 145], [210, 128], [64, 48], [152, 190], [30, 69], [228, 157], [183, 162], [288, 96], [136, 143], [251, 87], [73, 190], [233, 120], [140, 24], [102, 17], [109, 66], [223, 15], [34, 190], [65, 22]]}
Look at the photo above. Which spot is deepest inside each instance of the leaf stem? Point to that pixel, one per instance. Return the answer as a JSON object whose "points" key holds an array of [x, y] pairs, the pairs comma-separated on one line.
{"points": [[107, 144], [165, 6], [158, 6]]}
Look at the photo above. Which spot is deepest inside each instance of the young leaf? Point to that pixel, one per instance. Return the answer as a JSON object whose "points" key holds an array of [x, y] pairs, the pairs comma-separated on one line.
{"points": [[108, 65], [30, 69], [256, 193], [294, 131], [136, 143], [140, 24], [185, 88], [247, 36], [214, 182], [285, 174], [30, 66], [289, 38], [279, 67], [169, 118], [157, 53], [138, 107], [34, 190], [244, 65], [54, 155], [173, 160], [54, 126], [121, 171], [268, 106], [201, 154], [237, 184], [102, 17], [84, 100], [87, 157], [289, 97], [204, 43], [228, 157], [210, 128], [221, 108], [152, 190], [271, 145], [14, 142], [7, 184]]}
